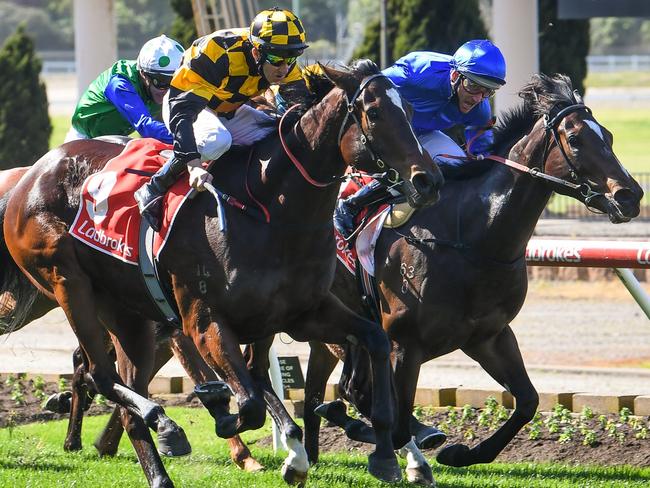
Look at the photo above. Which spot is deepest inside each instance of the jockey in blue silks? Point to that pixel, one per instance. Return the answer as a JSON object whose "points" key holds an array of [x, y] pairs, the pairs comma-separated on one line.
{"points": [[444, 91]]}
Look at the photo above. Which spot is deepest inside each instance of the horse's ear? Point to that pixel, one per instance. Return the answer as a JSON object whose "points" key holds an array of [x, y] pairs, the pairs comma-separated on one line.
{"points": [[342, 79], [577, 96]]}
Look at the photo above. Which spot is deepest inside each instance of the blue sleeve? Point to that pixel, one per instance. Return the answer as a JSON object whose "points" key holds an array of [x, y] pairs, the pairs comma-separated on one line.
{"points": [[479, 141], [121, 93]]}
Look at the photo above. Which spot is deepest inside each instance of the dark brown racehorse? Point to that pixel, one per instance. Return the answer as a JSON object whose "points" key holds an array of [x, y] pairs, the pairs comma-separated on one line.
{"points": [[230, 288], [455, 276]]}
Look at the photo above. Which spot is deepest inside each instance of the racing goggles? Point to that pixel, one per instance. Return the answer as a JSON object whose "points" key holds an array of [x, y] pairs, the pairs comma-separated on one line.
{"points": [[474, 88], [275, 60], [161, 82]]}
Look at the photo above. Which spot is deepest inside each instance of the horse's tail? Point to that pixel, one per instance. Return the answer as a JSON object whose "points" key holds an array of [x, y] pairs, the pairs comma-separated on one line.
{"points": [[17, 293]]}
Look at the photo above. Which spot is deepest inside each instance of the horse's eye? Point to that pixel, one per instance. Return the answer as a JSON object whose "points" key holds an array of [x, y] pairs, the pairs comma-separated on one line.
{"points": [[573, 140], [372, 113]]}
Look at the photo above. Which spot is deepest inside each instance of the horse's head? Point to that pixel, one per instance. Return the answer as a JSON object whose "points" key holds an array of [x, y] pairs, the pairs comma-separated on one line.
{"points": [[574, 147], [376, 135]]}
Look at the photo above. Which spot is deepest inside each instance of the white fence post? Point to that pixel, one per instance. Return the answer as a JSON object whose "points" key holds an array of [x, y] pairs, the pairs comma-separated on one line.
{"points": [[276, 381]]}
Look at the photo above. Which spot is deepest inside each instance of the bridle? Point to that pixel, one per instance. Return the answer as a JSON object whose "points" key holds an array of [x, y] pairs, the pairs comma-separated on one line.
{"points": [[551, 135], [349, 114]]}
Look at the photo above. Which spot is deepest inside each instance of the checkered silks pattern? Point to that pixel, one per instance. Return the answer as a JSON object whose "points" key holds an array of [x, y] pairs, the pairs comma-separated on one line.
{"points": [[279, 28], [221, 70]]}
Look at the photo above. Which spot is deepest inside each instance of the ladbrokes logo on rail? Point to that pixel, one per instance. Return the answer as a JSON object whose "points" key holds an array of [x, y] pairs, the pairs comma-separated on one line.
{"points": [[561, 254], [643, 256]]}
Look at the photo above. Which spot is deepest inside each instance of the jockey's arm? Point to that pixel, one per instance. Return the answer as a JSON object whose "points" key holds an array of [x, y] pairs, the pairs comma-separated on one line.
{"points": [[184, 108], [123, 95], [478, 132]]}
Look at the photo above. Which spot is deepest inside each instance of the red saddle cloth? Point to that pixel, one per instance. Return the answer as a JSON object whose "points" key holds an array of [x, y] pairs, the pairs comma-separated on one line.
{"points": [[108, 218], [346, 252]]}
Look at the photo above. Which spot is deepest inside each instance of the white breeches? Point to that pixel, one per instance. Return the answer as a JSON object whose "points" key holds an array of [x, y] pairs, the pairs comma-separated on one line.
{"points": [[214, 135]]}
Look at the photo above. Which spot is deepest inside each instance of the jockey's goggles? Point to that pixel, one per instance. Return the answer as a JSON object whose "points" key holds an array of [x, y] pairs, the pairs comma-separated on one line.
{"points": [[474, 88], [161, 82], [275, 60]]}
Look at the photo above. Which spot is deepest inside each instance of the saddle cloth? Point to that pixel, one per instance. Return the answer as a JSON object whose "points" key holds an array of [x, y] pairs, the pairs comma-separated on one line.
{"points": [[108, 218], [363, 247]]}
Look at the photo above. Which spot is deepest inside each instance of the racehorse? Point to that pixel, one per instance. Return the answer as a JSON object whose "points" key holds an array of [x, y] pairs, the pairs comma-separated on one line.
{"points": [[168, 343], [455, 276], [231, 287]]}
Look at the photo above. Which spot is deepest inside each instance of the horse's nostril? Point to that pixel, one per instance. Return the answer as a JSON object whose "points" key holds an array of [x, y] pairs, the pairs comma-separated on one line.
{"points": [[426, 185], [628, 202]]}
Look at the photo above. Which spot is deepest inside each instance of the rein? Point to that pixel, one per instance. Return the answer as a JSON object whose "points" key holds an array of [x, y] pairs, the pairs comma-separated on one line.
{"points": [[551, 134], [363, 138]]}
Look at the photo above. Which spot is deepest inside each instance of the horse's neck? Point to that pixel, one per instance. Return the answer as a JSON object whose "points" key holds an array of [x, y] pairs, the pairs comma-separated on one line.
{"points": [[510, 203], [313, 142]]}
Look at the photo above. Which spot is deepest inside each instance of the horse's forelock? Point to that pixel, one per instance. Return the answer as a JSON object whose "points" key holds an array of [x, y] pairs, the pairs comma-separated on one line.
{"points": [[362, 68]]}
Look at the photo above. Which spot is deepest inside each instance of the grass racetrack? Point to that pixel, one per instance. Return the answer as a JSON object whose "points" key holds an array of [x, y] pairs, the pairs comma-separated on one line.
{"points": [[32, 455]]}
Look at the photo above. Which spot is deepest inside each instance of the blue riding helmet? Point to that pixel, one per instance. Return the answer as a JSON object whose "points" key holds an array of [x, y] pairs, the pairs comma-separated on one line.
{"points": [[482, 62]]}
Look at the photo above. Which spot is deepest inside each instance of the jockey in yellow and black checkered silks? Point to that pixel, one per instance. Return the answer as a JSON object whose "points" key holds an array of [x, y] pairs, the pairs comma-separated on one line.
{"points": [[208, 111], [278, 35]]}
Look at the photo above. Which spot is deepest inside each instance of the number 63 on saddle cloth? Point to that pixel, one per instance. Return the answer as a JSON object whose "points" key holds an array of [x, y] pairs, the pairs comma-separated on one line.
{"points": [[108, 218]]}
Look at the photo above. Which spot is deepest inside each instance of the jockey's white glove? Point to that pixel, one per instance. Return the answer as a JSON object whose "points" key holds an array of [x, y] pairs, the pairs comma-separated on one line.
{"points": [[198, 176]]}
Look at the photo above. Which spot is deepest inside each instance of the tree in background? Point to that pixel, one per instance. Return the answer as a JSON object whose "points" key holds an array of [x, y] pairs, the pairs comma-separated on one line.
{"points": [[421, 25], [183, 28], [24, 122], [563, 44]]}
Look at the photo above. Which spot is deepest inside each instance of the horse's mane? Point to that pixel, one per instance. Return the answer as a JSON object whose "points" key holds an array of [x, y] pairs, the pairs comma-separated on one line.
{"points": [[542, 95], [320, 85]]}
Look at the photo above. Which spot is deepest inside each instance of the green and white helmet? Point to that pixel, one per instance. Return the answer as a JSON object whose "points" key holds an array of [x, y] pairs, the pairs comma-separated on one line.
{"points": [[160, 56]]}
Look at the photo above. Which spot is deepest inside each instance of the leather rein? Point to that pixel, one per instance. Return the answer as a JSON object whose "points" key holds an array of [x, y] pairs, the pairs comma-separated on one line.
{"points": [[551, 135], [350, 113]]}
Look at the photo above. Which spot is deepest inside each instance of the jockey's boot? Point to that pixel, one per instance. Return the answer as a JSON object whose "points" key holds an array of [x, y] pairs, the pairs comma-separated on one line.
{"points": [[348, 208], [150, 195]]}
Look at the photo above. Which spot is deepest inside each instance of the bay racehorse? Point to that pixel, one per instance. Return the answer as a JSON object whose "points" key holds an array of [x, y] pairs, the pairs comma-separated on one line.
{"points": [[168, 342], [455, 276], [230, 288]]}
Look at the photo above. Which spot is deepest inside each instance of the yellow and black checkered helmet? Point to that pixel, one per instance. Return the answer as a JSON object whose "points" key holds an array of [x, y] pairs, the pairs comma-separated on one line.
{"points": [[278, 30]]}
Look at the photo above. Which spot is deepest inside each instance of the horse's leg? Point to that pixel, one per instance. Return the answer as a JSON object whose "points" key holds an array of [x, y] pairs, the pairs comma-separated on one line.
{"points": [[107, 442], [331, 322], [418, 470], [501, 358], [77, 402], [135, 365], [319, 368], [220, 349], [200, 372], [295, 466], [73, 291]]}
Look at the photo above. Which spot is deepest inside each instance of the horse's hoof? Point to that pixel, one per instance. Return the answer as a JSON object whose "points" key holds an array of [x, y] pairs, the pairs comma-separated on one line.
{"points": [[72, 446], [172, 442], [58, 402], [384, 469], [162, 482], [333, 411], [457, 456], [430, 438], [226, 426], [250, 465], [421, 475], [358, 430], [292, 476]]}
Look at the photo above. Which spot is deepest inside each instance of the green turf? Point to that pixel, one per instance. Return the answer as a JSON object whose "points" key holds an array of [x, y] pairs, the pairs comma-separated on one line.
{"points": [[60, 126], [32, 456], [618, 79]]}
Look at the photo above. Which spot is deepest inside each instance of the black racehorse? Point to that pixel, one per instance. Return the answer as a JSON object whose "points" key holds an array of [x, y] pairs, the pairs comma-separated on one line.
{"points": [[253, 280]]}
